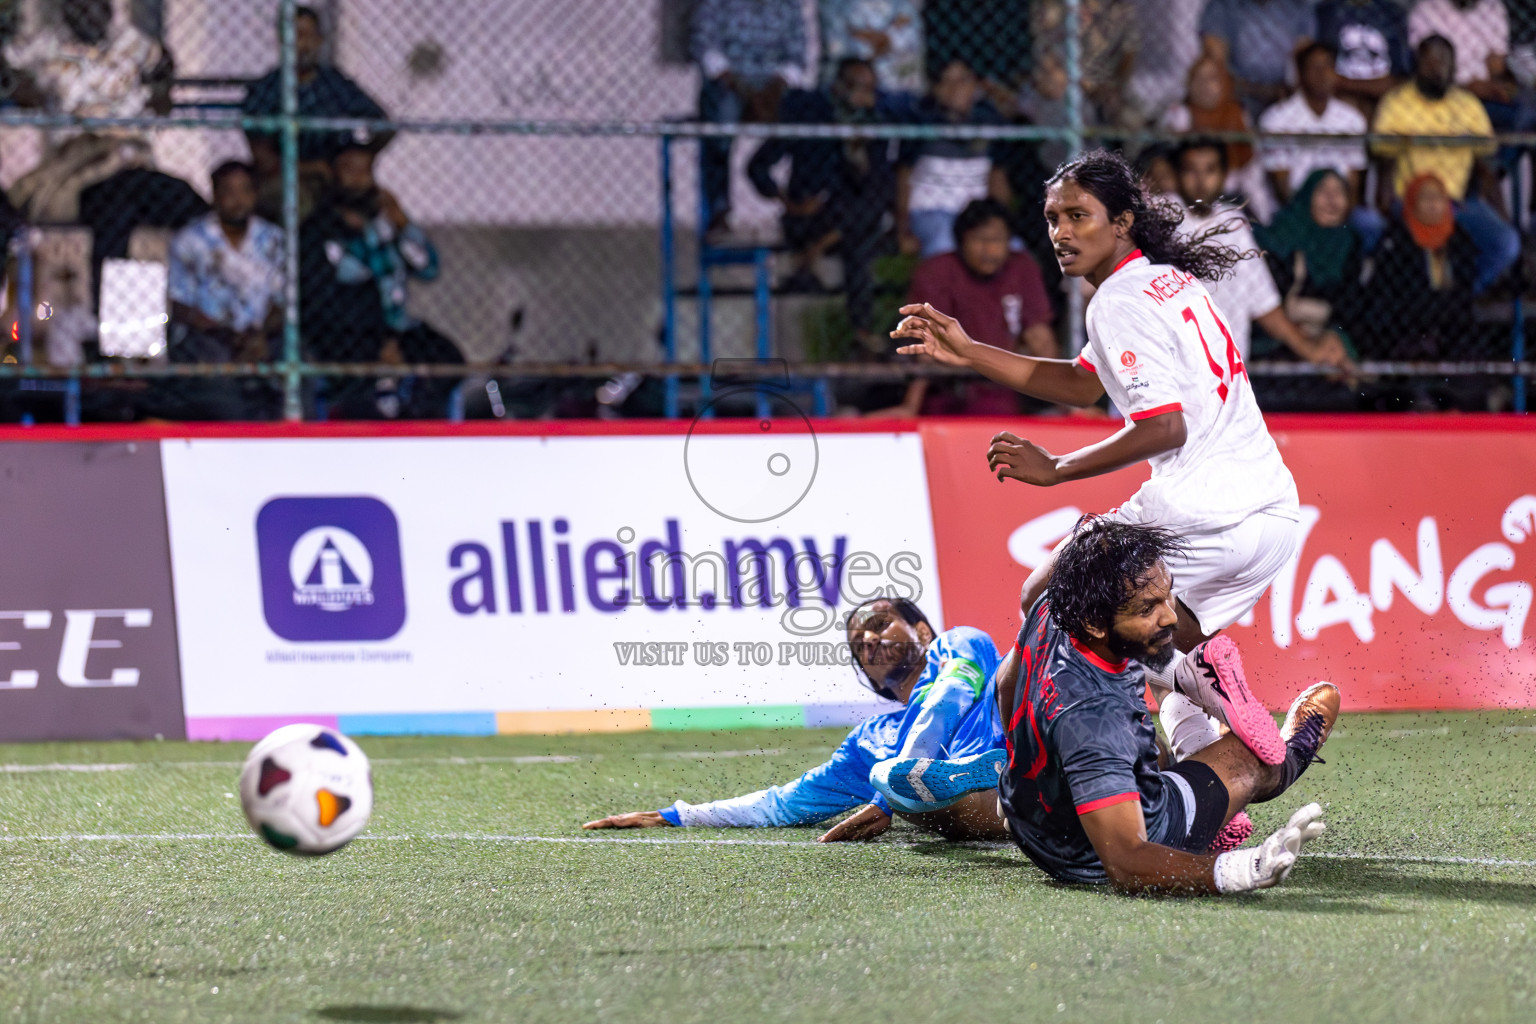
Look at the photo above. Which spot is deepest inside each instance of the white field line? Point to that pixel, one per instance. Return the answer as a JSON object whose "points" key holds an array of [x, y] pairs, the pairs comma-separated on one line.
{"points": [[508, 839], [677, 755]]}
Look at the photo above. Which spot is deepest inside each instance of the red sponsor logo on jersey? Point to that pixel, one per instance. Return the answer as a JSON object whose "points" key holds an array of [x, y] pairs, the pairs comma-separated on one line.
{"points": [[1128, 359]]}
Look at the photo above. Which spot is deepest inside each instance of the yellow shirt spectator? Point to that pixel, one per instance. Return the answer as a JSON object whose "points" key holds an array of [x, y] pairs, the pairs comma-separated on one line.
{"points": [[1407, 111]]}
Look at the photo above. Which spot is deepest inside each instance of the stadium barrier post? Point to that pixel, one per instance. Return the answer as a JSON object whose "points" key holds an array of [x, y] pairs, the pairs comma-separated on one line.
{"points": [[1517, 329], [25, 288], [1074, 147], [668, 278], [293, 406]]}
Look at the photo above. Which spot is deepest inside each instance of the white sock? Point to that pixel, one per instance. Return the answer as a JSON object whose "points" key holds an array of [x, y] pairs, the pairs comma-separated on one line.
{"points": [[1189, 730], [1162, 678]]}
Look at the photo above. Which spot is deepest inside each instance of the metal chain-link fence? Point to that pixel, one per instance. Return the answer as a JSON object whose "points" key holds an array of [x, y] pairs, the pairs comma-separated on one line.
{"points": [[514, 209]]}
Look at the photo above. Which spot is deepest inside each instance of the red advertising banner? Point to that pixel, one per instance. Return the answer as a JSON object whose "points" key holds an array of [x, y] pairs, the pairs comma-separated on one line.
{"points": [[1413, 589]]}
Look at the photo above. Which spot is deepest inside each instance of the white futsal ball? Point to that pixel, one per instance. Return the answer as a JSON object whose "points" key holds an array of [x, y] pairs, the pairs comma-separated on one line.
{"points": [[307, 789]]}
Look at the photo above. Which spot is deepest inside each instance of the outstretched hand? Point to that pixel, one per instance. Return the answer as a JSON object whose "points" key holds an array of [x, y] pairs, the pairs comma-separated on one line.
{"points": [[1020, 459], [865, 823], [936, 335], [634, 819]]}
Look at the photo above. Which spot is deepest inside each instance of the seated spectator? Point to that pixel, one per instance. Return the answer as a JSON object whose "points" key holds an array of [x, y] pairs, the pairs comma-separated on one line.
{"points": [[936, 178], [1043, 102], [322, 92], [226, 276], [226, 292], [1478, 30], [838, 190], [1256, 40], [93, 65], [1421, 289], [1108, 40], [1170, 42], [886, 33], [998, 294], [358, 252], [1371, 40], [1316, 257], [1155, 166], [1211, 107], [1314, 110], [1249, 296], [1430, 105], [749, 52]]}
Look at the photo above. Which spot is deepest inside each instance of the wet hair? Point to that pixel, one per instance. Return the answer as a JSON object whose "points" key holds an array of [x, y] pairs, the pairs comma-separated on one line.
{"points": [[976, 213], [909, 611], [229, 167], [1200, 143], [1104, 564], [1155, 226]]}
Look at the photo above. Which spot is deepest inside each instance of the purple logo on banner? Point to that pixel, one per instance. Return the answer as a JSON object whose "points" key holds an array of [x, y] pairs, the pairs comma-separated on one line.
{"points": [[330, 569]]}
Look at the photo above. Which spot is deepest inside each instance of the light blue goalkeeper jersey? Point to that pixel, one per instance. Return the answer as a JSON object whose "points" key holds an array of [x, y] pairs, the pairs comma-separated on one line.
{"points": [[952, 713]]}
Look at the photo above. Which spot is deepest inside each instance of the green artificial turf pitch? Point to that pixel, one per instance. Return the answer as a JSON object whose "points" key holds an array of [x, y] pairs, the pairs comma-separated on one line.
{"points": [[132, 891]]}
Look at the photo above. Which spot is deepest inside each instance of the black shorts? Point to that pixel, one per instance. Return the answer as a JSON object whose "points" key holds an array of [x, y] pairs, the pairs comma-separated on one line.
{"points": [[1201, 804]]}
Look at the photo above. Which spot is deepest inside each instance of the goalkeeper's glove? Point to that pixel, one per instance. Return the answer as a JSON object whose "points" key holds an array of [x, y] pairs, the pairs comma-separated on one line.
{"points": [[1271, 862]]}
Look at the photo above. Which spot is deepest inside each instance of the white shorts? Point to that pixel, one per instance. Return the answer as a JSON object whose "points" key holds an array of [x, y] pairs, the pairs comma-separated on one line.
{"points": [[1221, 575]]}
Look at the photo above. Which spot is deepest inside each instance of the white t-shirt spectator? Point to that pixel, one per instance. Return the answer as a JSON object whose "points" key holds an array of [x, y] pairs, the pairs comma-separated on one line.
{"points": [[1295, 116], [1250, 292], [1477, 32]]}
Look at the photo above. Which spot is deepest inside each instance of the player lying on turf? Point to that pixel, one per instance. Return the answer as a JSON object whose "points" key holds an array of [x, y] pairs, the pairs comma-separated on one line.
{"points": [[1160, 348], [945, 683], [1080, 785]]}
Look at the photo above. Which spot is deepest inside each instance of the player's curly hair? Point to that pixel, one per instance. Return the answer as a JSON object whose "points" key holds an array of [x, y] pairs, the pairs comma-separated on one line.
{"points": [[1098, 570], [1155, 226]]}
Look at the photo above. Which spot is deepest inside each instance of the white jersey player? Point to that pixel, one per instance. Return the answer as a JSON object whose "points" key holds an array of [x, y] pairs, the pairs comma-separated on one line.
{"points": [[1161, 349]]}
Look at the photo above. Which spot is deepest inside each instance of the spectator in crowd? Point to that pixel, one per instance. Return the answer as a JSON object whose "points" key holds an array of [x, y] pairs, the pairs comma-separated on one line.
{"points": [[1249, 296], [1478, 30], [1170, 41], [1000, 297], [1430, 105], [1315, 256], [1109, 36], [838, 190], [1256, 40], [94, 64], [323, 91], [1155, 165], [749, 51], [226, 276], [1421, 289], [358, 252], [991, 37], [936, 178], [886, 33], [1211, 107], [1371, 40], [1313, 110], [226, 292], [1043, 102]]}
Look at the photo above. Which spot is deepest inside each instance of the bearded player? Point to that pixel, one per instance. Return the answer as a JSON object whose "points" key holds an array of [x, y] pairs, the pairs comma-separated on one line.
{"points": [[1080, 786], [1160, 348]]}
